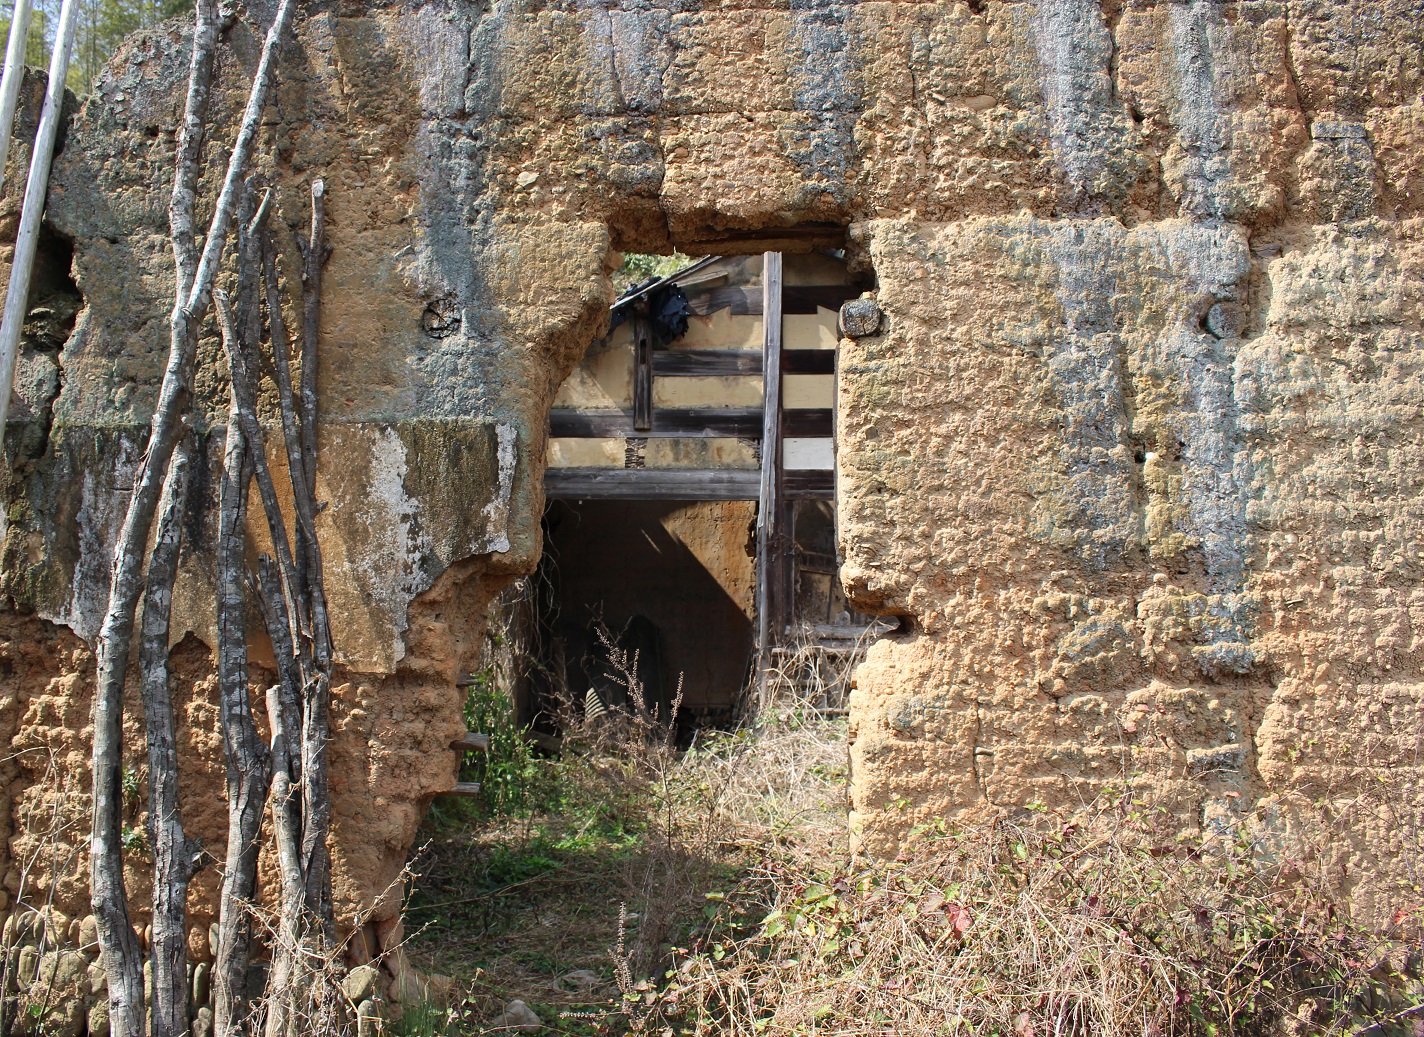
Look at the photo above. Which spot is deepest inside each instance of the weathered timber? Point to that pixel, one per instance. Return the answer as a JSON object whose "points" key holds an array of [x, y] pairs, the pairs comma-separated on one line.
{"points": [[174, 854], [728, 363], [743, 300], [465, 788], [679, 484], [771, 546], [689, 422], [706, 363], [471, 742]]}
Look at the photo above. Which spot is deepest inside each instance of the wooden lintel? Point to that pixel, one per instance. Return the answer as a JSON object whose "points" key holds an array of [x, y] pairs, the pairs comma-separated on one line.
{"points": [[465, 788]]}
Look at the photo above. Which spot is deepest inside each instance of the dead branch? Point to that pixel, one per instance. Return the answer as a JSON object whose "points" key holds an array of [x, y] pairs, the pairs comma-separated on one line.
{"points": [[247, 779], [190, 145], [282, 713], [282, 374], [316, 799], [174, 854], [314, 256], [109, 897]]}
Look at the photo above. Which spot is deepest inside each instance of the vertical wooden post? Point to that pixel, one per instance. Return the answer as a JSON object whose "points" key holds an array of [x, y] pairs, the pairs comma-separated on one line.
{"points": [[771, 596], [642, 373]]}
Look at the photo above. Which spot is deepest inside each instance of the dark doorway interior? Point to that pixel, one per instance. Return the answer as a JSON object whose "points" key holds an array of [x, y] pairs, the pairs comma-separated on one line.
{"points": [[675, 580]]}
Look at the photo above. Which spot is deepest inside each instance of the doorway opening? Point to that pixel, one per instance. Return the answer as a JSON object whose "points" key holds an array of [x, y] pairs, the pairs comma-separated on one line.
{"points": [[691, 488]]}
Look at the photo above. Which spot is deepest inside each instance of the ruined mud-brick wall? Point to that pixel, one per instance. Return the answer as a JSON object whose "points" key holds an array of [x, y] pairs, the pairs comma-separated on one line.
{"points": [[1134, 450]]}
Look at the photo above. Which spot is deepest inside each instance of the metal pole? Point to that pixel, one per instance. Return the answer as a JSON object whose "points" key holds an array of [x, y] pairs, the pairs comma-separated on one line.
{"points": [[14, 76], [27, 240]]}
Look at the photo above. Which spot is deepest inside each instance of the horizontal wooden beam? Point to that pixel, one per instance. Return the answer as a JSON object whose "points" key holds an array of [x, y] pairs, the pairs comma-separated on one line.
{"points": [[810, 423], [727, 363], [706, 363], [471, 742], [702, 423], [685, 423], [465, 788], [651, 484], [679, 484], [808, 484], [808, 361], [745, 300]]}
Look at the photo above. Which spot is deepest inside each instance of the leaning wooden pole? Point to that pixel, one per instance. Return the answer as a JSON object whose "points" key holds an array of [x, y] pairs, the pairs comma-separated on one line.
{"points": [[14, 76], [174, 854], [248, 761], [316, 706], [27, 238], [107, 890]]}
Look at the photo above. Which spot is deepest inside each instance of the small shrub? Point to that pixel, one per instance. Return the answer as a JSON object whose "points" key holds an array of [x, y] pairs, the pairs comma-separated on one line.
{"points": [[508, 773]]}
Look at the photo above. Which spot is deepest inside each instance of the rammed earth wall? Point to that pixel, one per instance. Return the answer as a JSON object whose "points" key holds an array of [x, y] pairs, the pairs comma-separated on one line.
{"points": [[1136, 451]]}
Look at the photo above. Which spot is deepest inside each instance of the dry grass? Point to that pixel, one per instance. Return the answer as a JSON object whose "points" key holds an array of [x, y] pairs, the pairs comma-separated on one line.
{"points": [[713, 891], [1104, 925], [623, 821]]}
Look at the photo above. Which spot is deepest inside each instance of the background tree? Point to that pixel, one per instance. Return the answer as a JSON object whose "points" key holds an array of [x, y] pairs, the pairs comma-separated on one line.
{"points": [[103, 25]]}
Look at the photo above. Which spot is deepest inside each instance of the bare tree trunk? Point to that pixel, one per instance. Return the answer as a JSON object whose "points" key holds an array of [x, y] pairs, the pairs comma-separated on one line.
{"points": [[110, 901], [174, 855], [316, 729], [246, 755], [190, 145], [282, 709], [314, 256], [122, 960]]}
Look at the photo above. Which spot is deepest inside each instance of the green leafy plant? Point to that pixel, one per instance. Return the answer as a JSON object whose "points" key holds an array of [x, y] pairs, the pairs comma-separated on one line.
{"points": [[510, 776]]}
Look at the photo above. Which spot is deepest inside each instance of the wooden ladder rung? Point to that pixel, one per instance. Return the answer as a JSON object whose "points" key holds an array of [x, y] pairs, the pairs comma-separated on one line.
{"points": [[470, 742], [465, 788]]}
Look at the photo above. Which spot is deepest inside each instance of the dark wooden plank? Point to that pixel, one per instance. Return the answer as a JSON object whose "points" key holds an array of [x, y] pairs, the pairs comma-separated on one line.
{"points": [[771, 505], [818, 423], [808, 361], [810, 484], [689, 422], [695, 423], [706, 363], [465, 788], [651, 484], [642, 375], [471, 743]]}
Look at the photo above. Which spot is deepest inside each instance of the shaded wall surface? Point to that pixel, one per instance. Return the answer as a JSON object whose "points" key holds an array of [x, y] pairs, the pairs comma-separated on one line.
{"points": [[1135, 448], [683, 566]]}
